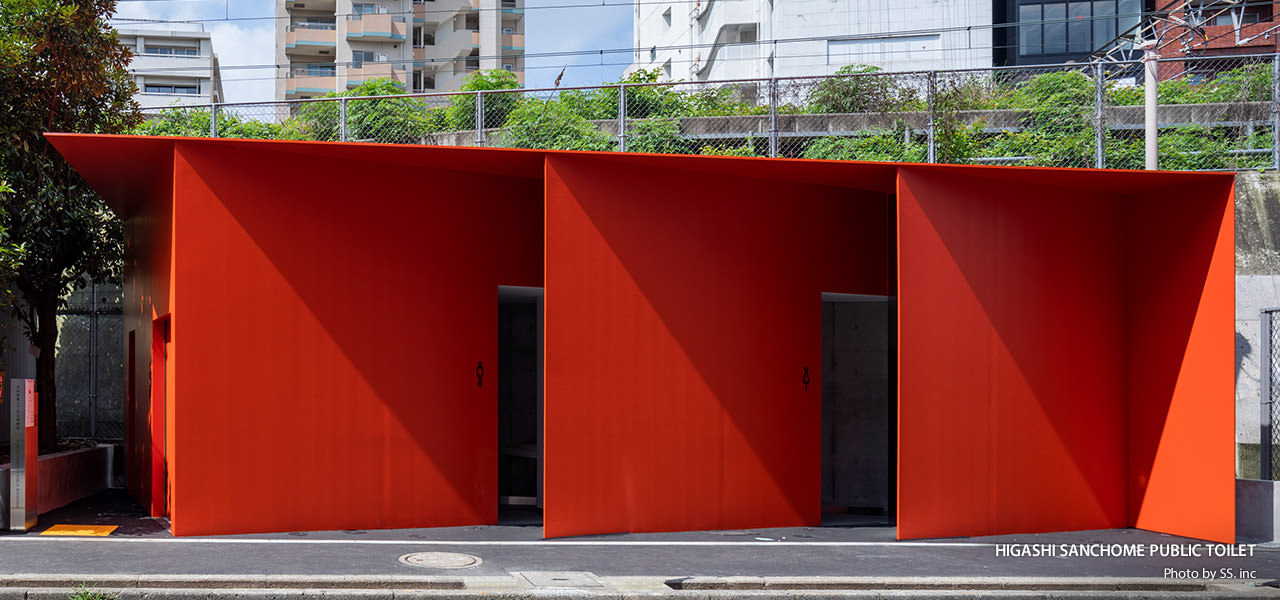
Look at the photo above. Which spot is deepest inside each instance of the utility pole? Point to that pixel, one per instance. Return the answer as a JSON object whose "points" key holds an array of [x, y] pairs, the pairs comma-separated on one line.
{"points": [[1150, 55]]}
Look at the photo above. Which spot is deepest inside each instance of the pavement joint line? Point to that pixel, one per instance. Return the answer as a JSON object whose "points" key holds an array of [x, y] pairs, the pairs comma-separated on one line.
{"points": [[753, 544]]}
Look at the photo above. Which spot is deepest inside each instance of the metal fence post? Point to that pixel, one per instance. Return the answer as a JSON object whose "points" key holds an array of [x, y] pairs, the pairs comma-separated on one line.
{"points": [[773, 117], [342, 120], [622, 117], [1099, 119], [932, 92], [1265, 383], [1275, 111], [93, 361], [479, 118], [213, 120]]}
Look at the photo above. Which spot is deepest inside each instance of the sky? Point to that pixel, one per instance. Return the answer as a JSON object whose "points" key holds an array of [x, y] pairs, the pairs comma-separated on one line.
{"points": [[243, 34]]}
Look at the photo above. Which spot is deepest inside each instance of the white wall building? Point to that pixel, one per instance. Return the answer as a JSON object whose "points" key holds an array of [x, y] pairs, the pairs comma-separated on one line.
{"points": [[173, 68], [737, 39], [426, 45]]}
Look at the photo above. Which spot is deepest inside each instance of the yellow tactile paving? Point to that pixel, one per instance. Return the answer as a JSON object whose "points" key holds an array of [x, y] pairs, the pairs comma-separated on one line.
{"points": [[86, 530]]}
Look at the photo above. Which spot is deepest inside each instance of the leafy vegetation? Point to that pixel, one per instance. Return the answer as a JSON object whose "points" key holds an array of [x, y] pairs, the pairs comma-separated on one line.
{"points": [[61, 69], [997, 117]]}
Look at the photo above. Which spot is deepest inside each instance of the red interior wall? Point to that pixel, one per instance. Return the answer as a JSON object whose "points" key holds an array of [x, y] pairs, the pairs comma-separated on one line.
{"points": [[1011, 357], [331, 315], [147, 275], [681, 308], [1181, 307]]}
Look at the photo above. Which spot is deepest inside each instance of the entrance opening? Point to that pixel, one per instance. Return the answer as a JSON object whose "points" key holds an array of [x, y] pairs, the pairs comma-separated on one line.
{"points": [[519, 405], [859, 410]]}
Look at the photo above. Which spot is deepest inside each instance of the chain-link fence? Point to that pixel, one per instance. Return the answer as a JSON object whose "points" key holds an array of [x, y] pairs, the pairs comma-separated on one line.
{"points": [[1213, 113], [89, 368], [1269, 435]]}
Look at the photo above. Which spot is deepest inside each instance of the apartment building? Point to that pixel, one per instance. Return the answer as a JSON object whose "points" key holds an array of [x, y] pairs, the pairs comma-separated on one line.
{"points": [[732, 39], [427, 45], [173, 68]]}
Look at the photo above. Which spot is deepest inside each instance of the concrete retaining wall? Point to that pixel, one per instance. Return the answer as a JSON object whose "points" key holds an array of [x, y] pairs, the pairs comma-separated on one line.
{"points": [[65, 477]]}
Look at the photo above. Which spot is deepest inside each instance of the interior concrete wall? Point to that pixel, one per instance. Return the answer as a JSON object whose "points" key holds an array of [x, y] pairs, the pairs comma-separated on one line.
{"points": [[856, 405]]}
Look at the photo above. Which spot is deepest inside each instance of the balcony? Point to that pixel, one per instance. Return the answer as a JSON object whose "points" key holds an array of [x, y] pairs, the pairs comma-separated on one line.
{"points": [[309, 85], [376, 70], [311, 5], [513, 41], [310, 41], [373, 28], [439, 11]]}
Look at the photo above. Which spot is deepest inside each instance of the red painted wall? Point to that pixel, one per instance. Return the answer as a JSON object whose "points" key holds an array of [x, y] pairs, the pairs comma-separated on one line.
{"points": [[330, 315], [681, 310], [1181, 310], [1064, 338], [1011, 360], [1036, 365]]}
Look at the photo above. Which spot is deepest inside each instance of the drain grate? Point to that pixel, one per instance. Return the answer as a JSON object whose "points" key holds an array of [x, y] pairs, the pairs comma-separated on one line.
{"points": [[560, 579], [440, 560]]}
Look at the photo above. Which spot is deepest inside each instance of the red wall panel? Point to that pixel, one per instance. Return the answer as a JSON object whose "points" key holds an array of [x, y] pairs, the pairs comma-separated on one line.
{"points": [[330, 318], [1011, 361], [1064, 336], [1181, 310], [681, 310]]}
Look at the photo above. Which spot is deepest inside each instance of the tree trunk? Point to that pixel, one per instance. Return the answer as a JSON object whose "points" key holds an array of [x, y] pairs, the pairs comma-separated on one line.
{"points": [[46, 387]]}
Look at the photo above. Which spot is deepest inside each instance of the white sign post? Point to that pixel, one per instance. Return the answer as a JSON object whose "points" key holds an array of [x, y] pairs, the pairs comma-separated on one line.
{"points": [[23, 454]]}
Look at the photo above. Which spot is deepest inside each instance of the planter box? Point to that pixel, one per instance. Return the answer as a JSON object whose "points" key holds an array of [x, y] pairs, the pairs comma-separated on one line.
{"points": [[64, 478]]}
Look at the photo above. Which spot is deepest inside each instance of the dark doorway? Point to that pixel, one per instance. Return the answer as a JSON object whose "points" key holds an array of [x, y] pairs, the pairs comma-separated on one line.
{"points": [[859, 410], [519, 405]]}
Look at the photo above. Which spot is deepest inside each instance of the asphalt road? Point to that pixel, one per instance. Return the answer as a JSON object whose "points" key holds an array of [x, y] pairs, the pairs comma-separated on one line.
{"points": [[142, 546]]}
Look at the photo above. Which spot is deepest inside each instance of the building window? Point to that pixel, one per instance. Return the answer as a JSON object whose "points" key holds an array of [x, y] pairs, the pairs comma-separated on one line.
{"points": [[362, 9], [358, 58], [321, 70], [190, 90], [666, 17], [172, 51], [1062, 27], [1225, 18]]}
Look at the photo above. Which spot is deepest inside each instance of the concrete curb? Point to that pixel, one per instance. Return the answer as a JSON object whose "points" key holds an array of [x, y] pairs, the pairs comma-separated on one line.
{"points": [[293, 587]]}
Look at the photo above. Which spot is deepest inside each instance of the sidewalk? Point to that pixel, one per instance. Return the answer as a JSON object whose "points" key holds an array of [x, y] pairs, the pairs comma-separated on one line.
{"points": [[140, 559]]}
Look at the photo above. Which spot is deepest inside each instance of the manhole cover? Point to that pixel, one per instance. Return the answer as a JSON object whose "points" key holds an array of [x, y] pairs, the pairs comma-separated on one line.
{"points": [[440, 560]]}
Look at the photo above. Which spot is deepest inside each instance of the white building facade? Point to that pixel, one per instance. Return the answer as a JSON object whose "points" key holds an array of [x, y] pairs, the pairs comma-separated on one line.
{"points": [[426, 45], [173, 68], [738, 39]]}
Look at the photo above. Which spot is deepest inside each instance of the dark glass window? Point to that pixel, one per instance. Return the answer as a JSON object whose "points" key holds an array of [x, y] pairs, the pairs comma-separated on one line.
{"points": [[1055, 28], [1029, 40], [1130, 12], [1079, 27], [1104, 22], [1058, 27]]}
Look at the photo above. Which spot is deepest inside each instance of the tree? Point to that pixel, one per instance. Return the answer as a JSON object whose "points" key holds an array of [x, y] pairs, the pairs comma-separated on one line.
{"points": [[378, 110], [461, 113], [61, 69], [192, 122], [550, 125], [862, 88]]}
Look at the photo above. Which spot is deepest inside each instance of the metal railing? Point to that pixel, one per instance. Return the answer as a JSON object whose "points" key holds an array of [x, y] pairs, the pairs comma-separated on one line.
{"points": [[1214, 113]]}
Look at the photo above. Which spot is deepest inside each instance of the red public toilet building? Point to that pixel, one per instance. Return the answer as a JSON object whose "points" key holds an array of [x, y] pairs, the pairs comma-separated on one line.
{"points": [[349, 336]]}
